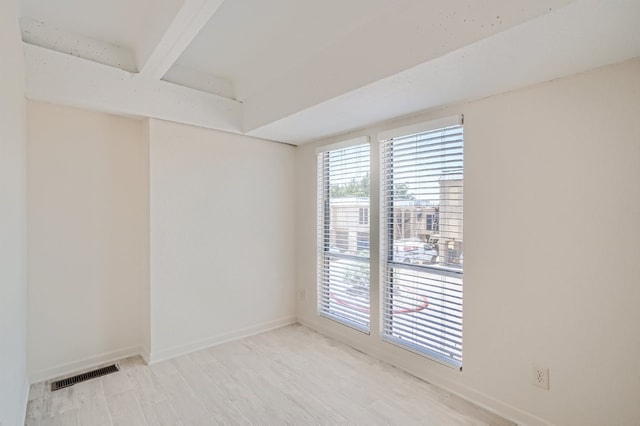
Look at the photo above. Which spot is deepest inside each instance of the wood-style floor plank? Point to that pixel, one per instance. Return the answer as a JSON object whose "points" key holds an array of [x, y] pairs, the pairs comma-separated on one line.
{"points": [[292, 375]]}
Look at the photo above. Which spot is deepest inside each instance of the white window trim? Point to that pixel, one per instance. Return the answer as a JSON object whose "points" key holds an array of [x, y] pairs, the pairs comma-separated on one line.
{"points": [[412, 129], [384, 136], [359, 140], [321, 214]]}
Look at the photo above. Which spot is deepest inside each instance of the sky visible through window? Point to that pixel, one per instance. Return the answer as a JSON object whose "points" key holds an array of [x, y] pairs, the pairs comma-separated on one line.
{"points": [[426, 158]]}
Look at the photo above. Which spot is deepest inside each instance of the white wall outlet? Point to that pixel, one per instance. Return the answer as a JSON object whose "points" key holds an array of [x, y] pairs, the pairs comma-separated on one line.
{"points": [[302, 294], [540, 377]]}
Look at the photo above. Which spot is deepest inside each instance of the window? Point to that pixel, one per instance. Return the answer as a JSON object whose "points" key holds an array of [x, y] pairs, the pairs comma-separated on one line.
{"points": [[432, 221], [343, 235], [422, 274], [363, 215]]}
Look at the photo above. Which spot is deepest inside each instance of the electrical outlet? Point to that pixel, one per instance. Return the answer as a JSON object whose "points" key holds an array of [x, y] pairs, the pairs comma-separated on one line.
{"points": [[540, 377], [302, 294]]}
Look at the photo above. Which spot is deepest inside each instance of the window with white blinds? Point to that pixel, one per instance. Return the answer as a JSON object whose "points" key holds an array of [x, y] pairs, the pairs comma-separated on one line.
{"points": [[343, 235], [422, 200]]}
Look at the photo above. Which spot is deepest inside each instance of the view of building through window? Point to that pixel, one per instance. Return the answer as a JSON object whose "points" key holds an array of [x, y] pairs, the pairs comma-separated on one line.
{"points": [[422, 240], [344, 235], [425, 231]]}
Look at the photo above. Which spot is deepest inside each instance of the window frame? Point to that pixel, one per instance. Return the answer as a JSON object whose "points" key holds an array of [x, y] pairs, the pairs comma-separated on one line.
{"points": [[390, 266], [361, 320]]}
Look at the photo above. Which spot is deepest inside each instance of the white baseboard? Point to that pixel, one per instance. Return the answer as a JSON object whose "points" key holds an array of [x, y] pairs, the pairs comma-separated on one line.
{"points": [[165, 354], [94, 361], [84, 364]]}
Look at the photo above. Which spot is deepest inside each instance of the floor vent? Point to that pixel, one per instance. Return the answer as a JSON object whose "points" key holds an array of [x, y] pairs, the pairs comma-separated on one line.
{"points": [[70, 381]]}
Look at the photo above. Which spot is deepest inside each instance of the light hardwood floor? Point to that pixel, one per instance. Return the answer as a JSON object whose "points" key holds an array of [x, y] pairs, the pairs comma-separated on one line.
{"points": [[292, 375]]}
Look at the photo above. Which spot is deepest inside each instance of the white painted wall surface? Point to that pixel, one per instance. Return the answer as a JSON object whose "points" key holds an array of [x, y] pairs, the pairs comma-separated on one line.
{"points": [[88, 237], [13, 250], [552, 238], [222, 237], [145, 307]]}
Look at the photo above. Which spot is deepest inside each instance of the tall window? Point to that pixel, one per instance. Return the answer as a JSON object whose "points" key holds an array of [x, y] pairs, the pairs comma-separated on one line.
{"points": [[422, 278], [343, 235]]}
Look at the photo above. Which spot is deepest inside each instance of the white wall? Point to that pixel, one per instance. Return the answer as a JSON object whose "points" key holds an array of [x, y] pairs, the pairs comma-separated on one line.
{"points": [[88, 237], [222, 237], [220, 229], [13, 276], [552, 238], [145, 307]]}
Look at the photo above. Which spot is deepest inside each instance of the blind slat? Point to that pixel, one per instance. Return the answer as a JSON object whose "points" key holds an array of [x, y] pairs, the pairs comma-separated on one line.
{"points": [[422, 236], [343, 235]]}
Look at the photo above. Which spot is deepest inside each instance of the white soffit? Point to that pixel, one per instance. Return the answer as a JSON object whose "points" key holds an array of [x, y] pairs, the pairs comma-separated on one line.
{"points": [[582, 36], [405, 36]]}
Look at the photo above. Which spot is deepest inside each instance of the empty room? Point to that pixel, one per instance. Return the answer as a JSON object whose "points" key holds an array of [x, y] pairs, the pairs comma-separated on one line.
{"points": [[265, 212]]}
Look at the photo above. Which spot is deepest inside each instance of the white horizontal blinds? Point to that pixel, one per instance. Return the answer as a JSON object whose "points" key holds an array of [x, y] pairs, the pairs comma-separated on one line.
{"points": [[422, 205], [343, 235]]}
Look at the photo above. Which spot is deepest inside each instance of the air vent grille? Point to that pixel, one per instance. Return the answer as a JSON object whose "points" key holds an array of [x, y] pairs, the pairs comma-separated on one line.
{"points": [[70, 381]]}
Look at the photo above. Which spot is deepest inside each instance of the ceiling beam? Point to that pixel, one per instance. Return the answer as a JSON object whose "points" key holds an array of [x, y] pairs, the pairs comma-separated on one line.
{"points": [[190, 19], [69, 80]]}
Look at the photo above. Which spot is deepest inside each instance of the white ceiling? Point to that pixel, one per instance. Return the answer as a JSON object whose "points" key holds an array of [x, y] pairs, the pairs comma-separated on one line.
{"points": [[299, 70], [251, 42]]}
